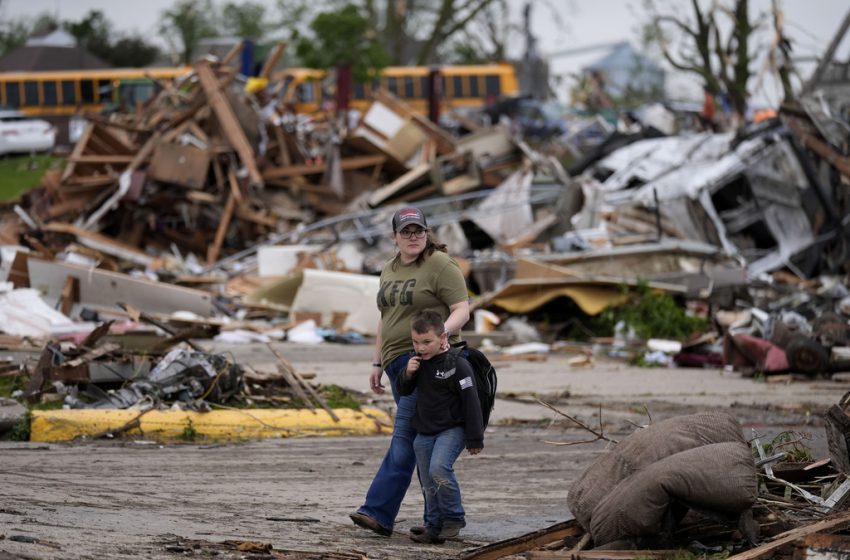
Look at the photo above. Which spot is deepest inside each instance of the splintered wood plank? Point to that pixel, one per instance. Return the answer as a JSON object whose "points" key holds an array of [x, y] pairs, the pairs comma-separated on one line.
{"points": [[226, 216], [70, 295], [288, 371], [600, 554], [347, 164], [78, 150], [272, 58], [526, 542], [838, 521], [227, 119]]}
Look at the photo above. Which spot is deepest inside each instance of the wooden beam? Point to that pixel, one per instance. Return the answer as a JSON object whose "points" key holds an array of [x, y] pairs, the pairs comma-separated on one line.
{"points": [[599, 554], [272, 59], [348, 164], [841, 520], [103, 159], [223, 224], [821, 148], [233, 53], [287, 365], [526, 542], [70, 295], [226, 117], [78, 150]]}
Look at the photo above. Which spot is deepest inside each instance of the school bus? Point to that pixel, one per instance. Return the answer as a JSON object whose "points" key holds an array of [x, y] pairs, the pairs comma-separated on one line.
{"points": [[463, 86], [63, 93]]}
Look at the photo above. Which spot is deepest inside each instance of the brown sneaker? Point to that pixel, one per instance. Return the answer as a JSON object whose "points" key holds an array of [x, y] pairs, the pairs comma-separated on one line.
{"points": [[427, 538], [417, 530], [363, 520], [451, 529]]}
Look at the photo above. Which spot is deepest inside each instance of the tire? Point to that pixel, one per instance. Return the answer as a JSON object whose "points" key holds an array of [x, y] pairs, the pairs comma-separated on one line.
{"points": [[807, 356]]}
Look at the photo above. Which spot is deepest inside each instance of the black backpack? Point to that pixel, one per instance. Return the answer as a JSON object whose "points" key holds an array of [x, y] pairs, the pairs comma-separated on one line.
{"points": [[485, 376]]}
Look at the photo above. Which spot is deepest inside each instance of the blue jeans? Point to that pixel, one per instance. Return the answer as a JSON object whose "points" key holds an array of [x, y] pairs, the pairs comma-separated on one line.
{"points": [[435, 457], [390, 484]]}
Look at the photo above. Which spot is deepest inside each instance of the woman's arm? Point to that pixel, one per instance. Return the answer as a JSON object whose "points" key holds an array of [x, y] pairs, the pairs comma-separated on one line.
{"points": [[458, 317], [377, 371]]}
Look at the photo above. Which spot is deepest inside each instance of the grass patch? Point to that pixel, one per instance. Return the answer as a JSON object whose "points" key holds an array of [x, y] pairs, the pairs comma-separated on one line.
{"points": [[21, 430], [19, 174], [10, 384], [337, 397], [650, 314]]}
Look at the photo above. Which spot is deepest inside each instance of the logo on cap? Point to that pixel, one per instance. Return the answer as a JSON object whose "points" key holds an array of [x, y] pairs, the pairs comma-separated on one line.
{"points": [[409, 214]]}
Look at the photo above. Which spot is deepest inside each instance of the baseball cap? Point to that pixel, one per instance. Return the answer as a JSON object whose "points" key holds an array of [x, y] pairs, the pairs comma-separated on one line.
{"points": [[407, 216]]}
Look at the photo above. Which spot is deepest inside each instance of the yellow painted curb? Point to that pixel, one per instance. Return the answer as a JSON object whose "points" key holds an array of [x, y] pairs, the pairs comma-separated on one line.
{"points": [[217, 425]]}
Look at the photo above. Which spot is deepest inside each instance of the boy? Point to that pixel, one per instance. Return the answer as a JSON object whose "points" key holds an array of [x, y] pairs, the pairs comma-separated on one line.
{"points": [[448, 418]]}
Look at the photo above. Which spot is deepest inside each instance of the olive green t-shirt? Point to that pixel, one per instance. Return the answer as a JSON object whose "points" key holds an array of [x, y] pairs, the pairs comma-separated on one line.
{"points": [[436, 284]]}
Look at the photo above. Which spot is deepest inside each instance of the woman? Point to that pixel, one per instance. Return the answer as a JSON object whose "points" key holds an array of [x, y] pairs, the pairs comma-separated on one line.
{"points": [[420, 276]]}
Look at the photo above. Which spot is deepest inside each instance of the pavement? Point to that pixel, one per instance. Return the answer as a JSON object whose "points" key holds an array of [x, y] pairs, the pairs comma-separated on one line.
{"points": [[144, 499], [610, 383]]}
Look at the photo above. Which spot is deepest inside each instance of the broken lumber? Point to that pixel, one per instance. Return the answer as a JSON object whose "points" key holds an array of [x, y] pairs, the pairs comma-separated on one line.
{"points": [[229, 124], [526, 542]]}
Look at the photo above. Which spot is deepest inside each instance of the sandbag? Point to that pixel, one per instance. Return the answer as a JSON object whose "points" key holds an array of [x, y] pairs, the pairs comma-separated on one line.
{"points": [[643, 448], [719, 477]]}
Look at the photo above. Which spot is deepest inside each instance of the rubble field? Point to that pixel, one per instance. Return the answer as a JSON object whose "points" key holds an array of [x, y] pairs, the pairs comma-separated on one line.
{"points": [[142, 499]]}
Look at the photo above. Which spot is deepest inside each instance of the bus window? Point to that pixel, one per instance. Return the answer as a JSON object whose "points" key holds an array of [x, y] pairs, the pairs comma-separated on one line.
{"points": [[359, 91], [492, 86], [392, 85], [473, 86], [104, 90], [31, 93], [423, 87], [13, 94], [408, 88], [69, 93], [86, 91], [305, 92], [457, 86], [287, 81], [48, 90]]}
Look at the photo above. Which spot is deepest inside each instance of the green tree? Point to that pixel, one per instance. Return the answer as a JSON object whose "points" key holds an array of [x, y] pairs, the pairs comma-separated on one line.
{"points": [[245, 19], [132, 52], [92, 33], [342, 37], [13, 34], [186, 24]]}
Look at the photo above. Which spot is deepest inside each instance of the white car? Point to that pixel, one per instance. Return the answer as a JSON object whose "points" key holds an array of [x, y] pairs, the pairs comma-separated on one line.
{"points": [[20, 133]]}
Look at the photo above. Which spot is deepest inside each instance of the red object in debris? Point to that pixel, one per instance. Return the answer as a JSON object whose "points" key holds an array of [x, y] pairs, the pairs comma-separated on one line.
{"points": [[743, 350]]}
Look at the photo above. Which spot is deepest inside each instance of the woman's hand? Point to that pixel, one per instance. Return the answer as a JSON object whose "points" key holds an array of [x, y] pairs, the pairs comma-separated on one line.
{"points": [[375, 380]]}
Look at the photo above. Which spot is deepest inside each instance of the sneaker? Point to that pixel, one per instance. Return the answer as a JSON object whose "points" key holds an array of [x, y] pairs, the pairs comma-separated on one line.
{"points": [[451, 529], [363, 520], [417, 530], [427, 538]]}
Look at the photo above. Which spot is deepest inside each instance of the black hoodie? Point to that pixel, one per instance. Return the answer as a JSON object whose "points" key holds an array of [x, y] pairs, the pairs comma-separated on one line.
{"points": [[447, 398]]}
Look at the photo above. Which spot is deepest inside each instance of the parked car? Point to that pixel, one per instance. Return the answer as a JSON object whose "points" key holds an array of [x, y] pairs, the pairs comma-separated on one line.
{"points": [[20, 133]]}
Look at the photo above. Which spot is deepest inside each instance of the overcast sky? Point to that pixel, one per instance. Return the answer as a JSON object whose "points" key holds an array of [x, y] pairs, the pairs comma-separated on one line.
{"points": [[558, 24]]}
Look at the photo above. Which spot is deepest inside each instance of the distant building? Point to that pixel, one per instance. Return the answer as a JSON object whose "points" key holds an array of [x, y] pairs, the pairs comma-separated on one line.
{"points": [[623, 69], [56, 50]]}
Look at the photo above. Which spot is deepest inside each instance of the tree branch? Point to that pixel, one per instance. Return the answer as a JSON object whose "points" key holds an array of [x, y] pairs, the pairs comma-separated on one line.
{"points": [[598, 433]]}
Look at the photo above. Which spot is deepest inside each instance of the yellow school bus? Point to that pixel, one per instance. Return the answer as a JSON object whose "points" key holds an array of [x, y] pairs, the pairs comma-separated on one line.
{"points": [[63, 93], [463, 86]]}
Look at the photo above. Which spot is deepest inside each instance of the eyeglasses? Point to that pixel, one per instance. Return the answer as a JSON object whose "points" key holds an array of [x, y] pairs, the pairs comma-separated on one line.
{"points": [[417, 233]]}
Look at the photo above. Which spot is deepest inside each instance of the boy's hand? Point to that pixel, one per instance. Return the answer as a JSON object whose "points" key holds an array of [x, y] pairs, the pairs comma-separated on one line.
{"points": [[475, 451], [413, 365]]}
